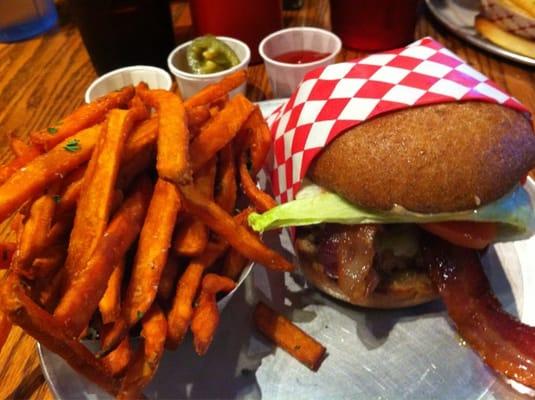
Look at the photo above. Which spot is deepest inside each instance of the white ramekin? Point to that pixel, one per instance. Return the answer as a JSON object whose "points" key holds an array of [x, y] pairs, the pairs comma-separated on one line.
{"points": [[285, 77], [189, 83]]}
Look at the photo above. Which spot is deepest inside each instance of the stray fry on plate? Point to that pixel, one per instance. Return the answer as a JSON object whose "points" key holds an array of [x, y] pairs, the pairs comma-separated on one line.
{"points": [[289, 337]]}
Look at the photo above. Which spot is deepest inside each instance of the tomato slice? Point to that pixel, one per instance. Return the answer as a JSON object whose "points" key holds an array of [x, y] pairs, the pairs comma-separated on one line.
{"points": [[474, 235]]}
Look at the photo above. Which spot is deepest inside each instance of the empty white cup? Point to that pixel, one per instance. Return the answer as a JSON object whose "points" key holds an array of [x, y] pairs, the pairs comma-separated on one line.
{"points": [[155, 78], [190, 83], [285, 77]]}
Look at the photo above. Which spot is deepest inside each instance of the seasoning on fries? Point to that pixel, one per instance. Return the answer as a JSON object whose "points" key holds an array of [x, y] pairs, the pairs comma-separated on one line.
{"points": [[124, 211], [289, 337]]}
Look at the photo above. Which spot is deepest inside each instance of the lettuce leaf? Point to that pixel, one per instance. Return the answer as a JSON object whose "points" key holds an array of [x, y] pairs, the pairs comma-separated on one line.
{"points": [[314, 205]]}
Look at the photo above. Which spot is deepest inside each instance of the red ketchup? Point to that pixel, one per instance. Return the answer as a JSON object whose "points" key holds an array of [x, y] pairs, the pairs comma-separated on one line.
{"points": [[300, 56]]}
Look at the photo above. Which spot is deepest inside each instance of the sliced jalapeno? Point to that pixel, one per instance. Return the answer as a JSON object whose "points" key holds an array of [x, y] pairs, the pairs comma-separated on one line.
{"points": [[207, 55]]}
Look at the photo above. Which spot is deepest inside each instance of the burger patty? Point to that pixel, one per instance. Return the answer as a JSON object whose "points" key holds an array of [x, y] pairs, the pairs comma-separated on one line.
{"points": [[361, 257]]}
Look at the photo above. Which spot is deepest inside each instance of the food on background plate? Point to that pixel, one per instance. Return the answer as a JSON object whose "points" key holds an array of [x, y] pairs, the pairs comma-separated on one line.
{"points": [[394, 205], [207, 55], [97, 210], [503, 38], [509, 24]]}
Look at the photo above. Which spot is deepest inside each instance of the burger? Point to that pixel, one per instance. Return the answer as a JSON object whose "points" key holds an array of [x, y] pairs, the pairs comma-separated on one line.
{"points": [[378, 191]]}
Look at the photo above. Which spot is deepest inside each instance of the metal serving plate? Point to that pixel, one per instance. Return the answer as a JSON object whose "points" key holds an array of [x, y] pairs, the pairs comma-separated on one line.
{"points": [[458, 16], [372, 354]]}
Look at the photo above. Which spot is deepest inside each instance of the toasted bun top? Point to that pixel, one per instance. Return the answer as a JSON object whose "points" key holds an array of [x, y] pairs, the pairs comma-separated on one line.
{"points": [[437, 158]]}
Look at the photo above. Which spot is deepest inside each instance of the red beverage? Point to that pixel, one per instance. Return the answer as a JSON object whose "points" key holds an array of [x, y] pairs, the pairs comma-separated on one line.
{"points": [[374, 24], [300, 57], [246, 20]]}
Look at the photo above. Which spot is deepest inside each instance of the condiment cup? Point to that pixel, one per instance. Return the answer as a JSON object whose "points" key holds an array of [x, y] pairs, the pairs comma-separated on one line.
{"points": [[156, 78], [190, 83], [285, 77]]}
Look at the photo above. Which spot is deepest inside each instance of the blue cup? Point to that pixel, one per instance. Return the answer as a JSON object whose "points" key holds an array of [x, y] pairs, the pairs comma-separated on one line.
{"points": [[22, 19]]}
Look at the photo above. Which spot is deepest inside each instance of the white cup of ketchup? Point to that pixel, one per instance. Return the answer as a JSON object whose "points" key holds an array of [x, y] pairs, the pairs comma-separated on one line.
{"points": [[290, 53]]}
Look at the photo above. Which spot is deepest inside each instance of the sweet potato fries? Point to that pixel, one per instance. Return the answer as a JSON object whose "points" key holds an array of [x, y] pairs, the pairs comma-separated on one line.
{"points": [[120, 210]]}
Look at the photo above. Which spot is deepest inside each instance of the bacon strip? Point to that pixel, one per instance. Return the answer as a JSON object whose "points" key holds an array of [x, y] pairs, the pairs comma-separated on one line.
{"points": [[503, 342]]}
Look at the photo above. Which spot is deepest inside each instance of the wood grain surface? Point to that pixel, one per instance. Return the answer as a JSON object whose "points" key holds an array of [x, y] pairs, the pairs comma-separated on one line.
{"points": [[44, 78]]}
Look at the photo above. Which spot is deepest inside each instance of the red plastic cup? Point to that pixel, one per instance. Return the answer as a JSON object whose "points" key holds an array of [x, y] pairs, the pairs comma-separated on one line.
{"points": [[246, 20], [374, 24]]}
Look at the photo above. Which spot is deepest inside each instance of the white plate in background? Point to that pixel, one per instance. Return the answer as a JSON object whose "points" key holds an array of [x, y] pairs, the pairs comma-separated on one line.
{"points": [[458, 16]]}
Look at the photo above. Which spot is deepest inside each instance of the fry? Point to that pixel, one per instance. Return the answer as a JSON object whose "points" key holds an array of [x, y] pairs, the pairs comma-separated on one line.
{"points": [[151, 256], [288, 336], [117, 361], [220, 130], [136, 156], [17, 163], [47, 291], [181, 312], [86, 289], [7, 250], [238, 236], [27, 183], [110, 303], [198, 115], [226, 179], [213, 92], [234, 264], [147, 358], [261, 200], [34, 234], [18, 146], [22, 311], [95, 202], [83, 117], [167, 282], [49, 261], [172, 160], [206, 315], [192, 235], [258, 141], [5, 328]]}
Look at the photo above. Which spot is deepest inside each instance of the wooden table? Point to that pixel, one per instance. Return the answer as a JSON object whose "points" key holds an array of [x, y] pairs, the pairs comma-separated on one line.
{"points": [[45, 78]]}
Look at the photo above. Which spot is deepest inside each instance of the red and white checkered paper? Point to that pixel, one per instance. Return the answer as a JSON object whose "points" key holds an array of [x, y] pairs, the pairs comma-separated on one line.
{"points": [[332, 99]]}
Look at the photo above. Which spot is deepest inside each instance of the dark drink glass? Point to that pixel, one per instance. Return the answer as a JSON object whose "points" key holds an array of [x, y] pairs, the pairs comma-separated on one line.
{"points": [[119, 33], [247, 20], [374, 24]]}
